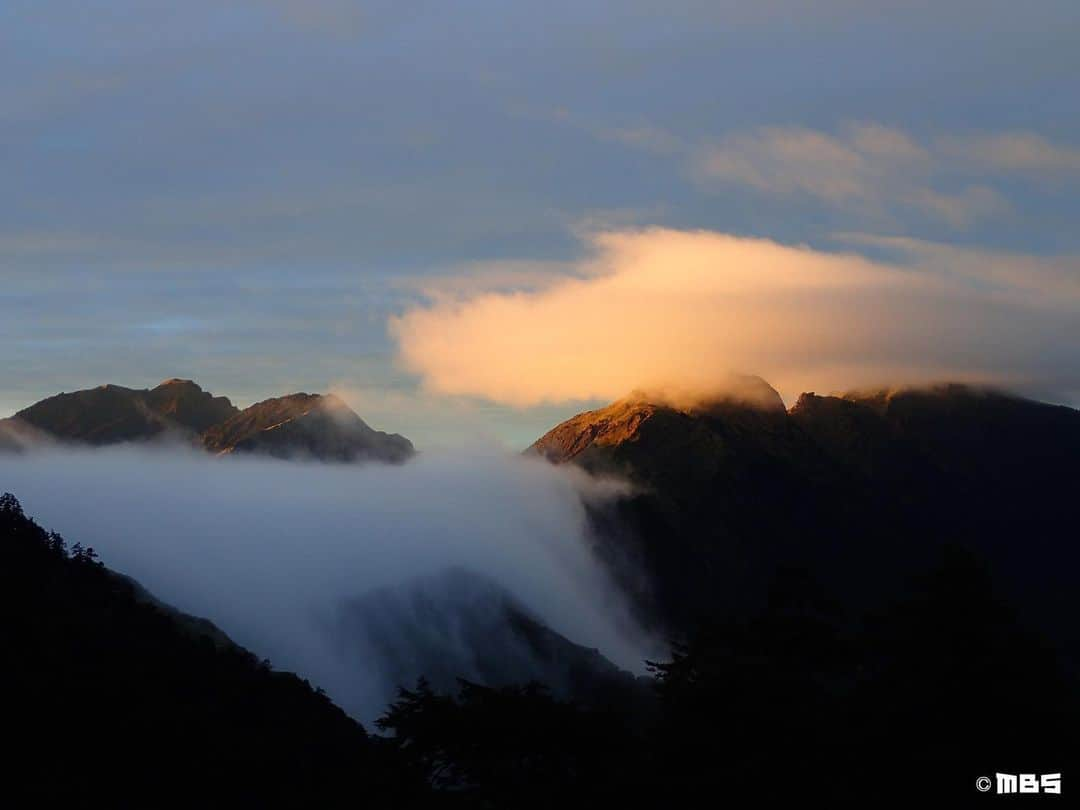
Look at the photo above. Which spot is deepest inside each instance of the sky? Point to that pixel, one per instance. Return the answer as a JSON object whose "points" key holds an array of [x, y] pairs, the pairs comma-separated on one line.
{"points": [[269, 196]]}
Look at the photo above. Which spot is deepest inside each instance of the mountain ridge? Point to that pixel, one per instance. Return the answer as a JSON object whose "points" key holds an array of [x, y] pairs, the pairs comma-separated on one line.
{"points": [[859, 488], [312, 426], [111, 413]]}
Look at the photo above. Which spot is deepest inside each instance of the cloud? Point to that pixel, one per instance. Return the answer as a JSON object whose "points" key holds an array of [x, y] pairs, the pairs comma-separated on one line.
{"points": [[961, 209], [873, 165], [486, 276], [667, 308], [793, 160], [1041, 281], [272, 552], [1023, 152], [885, 142]]}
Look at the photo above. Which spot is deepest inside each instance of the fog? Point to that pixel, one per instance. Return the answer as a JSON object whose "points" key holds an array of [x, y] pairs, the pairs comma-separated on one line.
{"points": [[271, 550]]}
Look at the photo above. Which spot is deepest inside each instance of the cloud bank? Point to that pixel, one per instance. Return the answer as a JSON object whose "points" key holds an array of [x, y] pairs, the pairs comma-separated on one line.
{"points": [[272, 551], [683, 309]]}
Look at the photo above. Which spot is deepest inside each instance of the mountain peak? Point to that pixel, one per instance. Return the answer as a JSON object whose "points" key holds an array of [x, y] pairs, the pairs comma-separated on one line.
{"points": [[733, 391], [667, 416], [185, 403], [305, 425], [177, 381]]}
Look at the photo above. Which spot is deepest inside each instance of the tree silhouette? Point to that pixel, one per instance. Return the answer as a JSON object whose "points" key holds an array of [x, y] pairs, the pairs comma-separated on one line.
{"points": [[159, 709]]}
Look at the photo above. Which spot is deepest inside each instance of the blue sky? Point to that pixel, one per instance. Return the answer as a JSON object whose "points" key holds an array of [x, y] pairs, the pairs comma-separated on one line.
{"points": [[244, 191]]}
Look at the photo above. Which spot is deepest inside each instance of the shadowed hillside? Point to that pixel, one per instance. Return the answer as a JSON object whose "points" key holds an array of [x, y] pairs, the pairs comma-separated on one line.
{"points": [[113, 698], [862, 490]]}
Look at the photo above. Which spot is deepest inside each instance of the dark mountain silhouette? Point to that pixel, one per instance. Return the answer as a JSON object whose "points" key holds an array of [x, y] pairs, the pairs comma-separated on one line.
{"points": [[305, 425], [862, 489], [111, 413], [722, 492], [111, 699], [522, 747], [772, 706], [871, 597], [310, 426]]}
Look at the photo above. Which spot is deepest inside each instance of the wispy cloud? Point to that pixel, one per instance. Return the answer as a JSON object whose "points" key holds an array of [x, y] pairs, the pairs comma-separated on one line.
{"points": [[487, 276], [958, 209], [1020, 152], [1042, 281], [790, 161], [862, 167], [946, 179]]}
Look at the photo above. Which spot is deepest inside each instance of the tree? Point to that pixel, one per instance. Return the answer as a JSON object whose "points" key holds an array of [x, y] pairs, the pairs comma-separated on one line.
{"points": [[10, 505]]}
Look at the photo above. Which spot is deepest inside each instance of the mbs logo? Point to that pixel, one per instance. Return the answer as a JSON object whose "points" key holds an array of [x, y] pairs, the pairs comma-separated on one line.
{"points": [[1020, 783]]}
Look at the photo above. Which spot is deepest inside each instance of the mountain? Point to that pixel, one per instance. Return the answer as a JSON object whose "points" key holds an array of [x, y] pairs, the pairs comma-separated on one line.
{"points": [[966, 435], [118, 701], [111, 413], [865, 585], [722, 490], [305, 426], [297, 426], [861, 490]]}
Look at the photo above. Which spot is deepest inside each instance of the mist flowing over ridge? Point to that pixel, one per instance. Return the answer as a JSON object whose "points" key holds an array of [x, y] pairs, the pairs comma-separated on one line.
{"points": [[664, 505], [273, 552]]}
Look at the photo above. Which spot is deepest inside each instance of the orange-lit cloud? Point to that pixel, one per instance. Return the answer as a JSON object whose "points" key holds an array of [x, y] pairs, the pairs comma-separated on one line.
{"points": [[676, 309]]}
